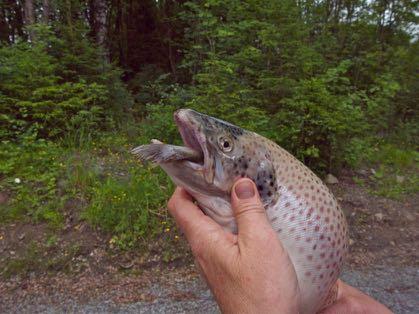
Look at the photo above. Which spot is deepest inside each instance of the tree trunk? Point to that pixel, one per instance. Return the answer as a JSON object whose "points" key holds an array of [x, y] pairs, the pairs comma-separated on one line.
{"points": [[29, 17], [4, 27], [45, 11], [100, 23], [123, 41], [17, 25], [29, 12]]}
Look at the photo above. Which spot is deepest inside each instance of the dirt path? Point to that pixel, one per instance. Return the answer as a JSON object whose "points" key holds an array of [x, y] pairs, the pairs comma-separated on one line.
{"points": [[383, 262], [395, 287]]}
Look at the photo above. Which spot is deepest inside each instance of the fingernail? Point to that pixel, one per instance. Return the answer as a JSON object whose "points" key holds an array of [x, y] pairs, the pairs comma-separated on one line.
{"points": [[244, 190]]}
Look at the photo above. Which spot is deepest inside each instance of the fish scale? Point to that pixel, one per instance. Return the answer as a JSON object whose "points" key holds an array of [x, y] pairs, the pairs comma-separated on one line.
{"points": [[299, 206]]}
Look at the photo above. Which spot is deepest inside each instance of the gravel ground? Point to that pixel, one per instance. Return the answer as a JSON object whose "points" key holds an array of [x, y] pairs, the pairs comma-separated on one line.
{"points": [[395, 287]]}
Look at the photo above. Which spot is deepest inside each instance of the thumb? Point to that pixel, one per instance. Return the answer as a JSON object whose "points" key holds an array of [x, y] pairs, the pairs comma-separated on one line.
{"points": [[247, 208]]}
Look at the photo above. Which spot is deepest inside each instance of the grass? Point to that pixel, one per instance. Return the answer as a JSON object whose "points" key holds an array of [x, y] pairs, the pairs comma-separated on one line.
{"points": [[117, 194], [29, 173], [393, 172], [99, 182], [34, 259]]}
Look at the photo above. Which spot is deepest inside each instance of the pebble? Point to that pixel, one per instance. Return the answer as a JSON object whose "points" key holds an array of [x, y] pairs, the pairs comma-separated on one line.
{"points": [[410, 217], [331, 179], [400, 179], [379, 216]]}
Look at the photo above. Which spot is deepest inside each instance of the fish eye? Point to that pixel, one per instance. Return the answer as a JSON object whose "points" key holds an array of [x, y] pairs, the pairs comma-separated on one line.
{"points": [[225, 144]]}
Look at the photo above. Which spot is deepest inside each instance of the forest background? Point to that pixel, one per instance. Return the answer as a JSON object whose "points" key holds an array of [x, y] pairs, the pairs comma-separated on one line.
{"points": [[335, 82]]}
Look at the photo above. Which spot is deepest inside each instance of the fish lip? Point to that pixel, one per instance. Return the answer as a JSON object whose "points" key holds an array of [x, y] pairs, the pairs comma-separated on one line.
{"points": [[193, 138]]}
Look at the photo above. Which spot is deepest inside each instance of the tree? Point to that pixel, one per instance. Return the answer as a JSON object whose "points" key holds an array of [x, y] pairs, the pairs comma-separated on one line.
{"points": [[29, 15], [45, 11], [100, 22]]}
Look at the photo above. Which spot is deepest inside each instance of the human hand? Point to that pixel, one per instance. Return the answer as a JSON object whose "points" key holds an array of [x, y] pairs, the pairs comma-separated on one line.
{"points": [[353, 301], [249, 272]]}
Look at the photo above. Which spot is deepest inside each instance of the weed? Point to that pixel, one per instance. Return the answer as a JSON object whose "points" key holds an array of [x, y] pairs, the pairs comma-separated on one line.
{"points": [[29, 170], [129, 207], [51, 241], [30, 261], [394, 171], [34, 259]]}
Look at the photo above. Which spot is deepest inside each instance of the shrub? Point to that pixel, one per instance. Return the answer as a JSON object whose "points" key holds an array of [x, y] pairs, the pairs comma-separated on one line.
{"points": [[130, 207], [38, 97]]}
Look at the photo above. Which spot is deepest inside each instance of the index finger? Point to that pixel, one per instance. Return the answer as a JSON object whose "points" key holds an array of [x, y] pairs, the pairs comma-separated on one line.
{"points": [[190, 219]]}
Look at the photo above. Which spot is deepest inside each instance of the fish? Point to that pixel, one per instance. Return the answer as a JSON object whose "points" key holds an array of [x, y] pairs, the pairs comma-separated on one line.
{"points": [[301, 209]]}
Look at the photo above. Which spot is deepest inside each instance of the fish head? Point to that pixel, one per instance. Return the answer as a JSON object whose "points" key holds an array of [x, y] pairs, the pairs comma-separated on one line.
{"points": [[226, 152], [219, 142]]}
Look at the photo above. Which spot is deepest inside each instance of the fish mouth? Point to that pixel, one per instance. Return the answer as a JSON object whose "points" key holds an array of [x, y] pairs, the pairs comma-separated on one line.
{"points": [[190, 130]]}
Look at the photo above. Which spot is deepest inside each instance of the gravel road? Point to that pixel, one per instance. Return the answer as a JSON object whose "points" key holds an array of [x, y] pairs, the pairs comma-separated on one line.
{"points": [[395, 287]]}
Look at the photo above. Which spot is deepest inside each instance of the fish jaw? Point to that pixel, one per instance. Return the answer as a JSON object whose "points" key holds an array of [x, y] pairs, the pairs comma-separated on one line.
{"points": [[191, 130]]}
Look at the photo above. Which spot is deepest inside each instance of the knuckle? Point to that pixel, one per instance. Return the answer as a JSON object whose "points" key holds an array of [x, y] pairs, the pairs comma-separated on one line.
{"points": [[249, 208], [171, 203]]}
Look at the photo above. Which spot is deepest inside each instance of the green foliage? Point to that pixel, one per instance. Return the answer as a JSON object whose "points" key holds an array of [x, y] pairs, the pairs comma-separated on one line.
{"points": [[392, 172], [42, 93], [130, 207], [320, 115], [283, 69], [34, 259], [30, 172], [29, 262]]}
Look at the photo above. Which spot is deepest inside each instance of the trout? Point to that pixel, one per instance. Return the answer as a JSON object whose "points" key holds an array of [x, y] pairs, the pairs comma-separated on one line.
{"points": [[299, 206]]}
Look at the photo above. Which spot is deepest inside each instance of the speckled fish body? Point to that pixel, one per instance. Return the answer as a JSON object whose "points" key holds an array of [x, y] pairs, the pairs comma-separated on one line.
{"points": [[301, 209]]}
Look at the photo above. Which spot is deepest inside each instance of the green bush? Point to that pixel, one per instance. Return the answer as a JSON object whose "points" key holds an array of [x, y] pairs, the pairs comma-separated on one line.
{"points": [[35, 97], [29, 172], [130, 207]]}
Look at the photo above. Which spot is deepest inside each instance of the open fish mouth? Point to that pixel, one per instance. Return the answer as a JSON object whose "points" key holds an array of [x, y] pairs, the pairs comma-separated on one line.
{"points": [[188, 131], [191, 137], [190, 127], [194, 154]]}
